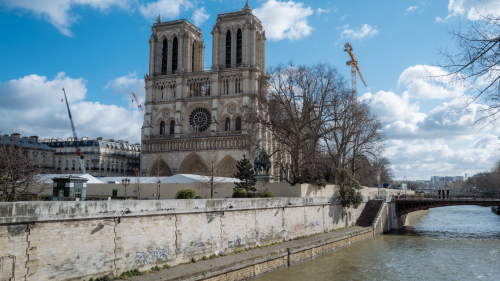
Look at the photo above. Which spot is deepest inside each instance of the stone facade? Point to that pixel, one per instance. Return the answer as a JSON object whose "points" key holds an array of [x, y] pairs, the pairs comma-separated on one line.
{"points": [[103, 158], [195, 115]]}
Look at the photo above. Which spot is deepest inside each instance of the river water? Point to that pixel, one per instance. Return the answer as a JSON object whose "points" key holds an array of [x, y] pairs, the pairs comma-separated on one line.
{"points": [[448, 243]]}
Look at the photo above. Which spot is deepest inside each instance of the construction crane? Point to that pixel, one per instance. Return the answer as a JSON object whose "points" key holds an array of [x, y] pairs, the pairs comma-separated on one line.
{"points": [[354, 67], [141, 109], [77, 149]]}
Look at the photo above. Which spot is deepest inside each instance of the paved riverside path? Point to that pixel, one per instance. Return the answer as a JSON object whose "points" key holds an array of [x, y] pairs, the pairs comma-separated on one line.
{"points": [[194, 271]]}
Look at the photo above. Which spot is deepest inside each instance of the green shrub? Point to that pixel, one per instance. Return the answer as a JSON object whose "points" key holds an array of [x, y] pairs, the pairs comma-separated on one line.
{"points": [[193, 260], [166, 266], [267, 194], [239, 193], [204, 258], [185, 194], [130, 273], [198, 197]]}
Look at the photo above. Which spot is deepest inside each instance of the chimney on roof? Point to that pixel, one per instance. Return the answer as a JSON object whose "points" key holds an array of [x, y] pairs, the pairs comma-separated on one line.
{"points": [[16, 137], [99, 138], [34, 139], [59, 139], [126, 141], [70, 139]]}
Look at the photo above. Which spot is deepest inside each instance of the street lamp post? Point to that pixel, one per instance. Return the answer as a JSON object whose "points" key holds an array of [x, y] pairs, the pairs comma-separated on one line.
{"points": [[158, 192], [125, 182]]}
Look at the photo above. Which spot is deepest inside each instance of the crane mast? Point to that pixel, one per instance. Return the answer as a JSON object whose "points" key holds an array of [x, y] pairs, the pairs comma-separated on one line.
{"points": [[354, 67], [77, 149]]}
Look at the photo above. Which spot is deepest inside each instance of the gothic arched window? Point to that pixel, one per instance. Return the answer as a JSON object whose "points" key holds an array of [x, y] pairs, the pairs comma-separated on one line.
{"points": [[239, 45], [164, 56], [227, 125], [175, 51], [228, 49], [192, 58], [162, 128], [238, 123], [172, 127]]}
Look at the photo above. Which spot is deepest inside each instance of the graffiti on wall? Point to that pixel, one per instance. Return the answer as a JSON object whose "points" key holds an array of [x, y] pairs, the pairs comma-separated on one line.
{"points": [[150, 256], [236, 242]]}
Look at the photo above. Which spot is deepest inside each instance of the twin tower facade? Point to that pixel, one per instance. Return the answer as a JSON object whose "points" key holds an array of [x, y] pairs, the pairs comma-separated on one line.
{"points": [[194, 114]]}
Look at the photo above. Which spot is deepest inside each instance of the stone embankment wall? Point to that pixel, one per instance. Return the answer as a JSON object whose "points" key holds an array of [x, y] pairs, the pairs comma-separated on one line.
{"points": [[78, 240]]}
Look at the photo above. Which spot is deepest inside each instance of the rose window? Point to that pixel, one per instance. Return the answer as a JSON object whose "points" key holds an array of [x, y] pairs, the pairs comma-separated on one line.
{"points": [[200, 119]]}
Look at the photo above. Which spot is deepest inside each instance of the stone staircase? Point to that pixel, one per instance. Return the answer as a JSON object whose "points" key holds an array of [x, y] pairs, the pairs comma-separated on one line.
{"points": [[369, 213]]}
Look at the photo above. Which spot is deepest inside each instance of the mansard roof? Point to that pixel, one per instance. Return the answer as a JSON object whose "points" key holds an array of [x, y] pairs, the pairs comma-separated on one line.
{"points": [[24, 142], [95, 143]]}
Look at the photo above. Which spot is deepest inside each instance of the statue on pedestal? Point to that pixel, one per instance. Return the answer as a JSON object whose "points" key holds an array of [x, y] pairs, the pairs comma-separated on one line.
{"points": [[261, 166]]}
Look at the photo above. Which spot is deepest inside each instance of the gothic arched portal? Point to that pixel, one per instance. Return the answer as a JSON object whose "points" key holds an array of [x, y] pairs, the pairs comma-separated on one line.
{"points": [[193, 164], [160, 168], [227, 167]]}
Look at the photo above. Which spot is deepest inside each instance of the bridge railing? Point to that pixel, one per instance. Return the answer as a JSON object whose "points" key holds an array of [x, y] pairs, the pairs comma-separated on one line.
{"points": [[450, 197]]}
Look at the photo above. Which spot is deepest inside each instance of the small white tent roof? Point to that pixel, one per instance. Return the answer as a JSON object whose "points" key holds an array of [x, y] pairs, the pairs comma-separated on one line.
{"points": [[188, 178], [179, 178], [47, 178]]}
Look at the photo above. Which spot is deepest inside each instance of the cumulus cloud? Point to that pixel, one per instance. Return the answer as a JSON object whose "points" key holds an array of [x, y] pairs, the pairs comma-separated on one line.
{"points": [[169, 9], [414, 78], [200, 16], [365, 31], [412, 8], [421, 159], [438, 141], [470, 8], [32, 106], [284, 20], [58, 12]]}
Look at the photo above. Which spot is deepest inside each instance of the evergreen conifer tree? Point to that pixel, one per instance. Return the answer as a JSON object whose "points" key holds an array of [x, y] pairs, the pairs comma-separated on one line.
{"points": [[246, 175]]}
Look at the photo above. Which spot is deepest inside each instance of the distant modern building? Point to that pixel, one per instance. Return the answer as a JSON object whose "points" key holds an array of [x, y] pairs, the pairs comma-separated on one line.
{"points": [[446, 179], [103, 158], [34, 149]]}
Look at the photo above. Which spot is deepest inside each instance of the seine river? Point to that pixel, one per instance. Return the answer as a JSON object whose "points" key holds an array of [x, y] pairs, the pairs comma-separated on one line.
{"points": [[448, 243]]}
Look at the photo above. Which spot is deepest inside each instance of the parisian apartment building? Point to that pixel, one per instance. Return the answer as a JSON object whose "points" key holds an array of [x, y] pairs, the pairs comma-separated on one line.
{"points": [[102, 158]]}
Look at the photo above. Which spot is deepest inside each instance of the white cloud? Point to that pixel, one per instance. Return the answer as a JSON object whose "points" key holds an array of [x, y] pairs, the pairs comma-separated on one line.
{"points": [[343, 17], [126, 85], [32, 105], [415, 78], [284, 20], [200, 16], [412, 8], [319, 11], [365, 31], [168, 9], [57, 12], [470, 8], [421, 159], [439, 141]]}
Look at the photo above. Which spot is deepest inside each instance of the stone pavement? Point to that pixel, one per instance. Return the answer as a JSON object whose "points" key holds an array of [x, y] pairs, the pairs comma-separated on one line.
{"points": [[214, 267]]}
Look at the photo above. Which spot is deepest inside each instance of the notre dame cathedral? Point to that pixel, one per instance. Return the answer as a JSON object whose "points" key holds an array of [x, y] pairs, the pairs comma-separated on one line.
{"points": [[194, 116]]}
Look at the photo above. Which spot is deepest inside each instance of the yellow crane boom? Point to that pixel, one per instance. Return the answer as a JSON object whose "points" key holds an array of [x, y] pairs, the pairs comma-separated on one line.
{"points": [[354, 67]]}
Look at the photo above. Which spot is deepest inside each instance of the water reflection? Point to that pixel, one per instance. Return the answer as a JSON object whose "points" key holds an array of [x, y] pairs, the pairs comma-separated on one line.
{"points": [[448, 243]]}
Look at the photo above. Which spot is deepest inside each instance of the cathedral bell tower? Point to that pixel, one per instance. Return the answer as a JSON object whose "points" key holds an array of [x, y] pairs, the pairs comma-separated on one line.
{"points": [[195, 114]]}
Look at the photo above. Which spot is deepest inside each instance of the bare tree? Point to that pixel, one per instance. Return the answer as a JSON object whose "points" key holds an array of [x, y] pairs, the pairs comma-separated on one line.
{"points": [[211, 176], [291, 114], [475, 67], [355, 135], [19, 172]]}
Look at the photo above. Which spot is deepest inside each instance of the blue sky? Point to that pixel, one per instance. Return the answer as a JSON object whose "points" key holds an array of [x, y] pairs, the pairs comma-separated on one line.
{"points": [[98, 50]]}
